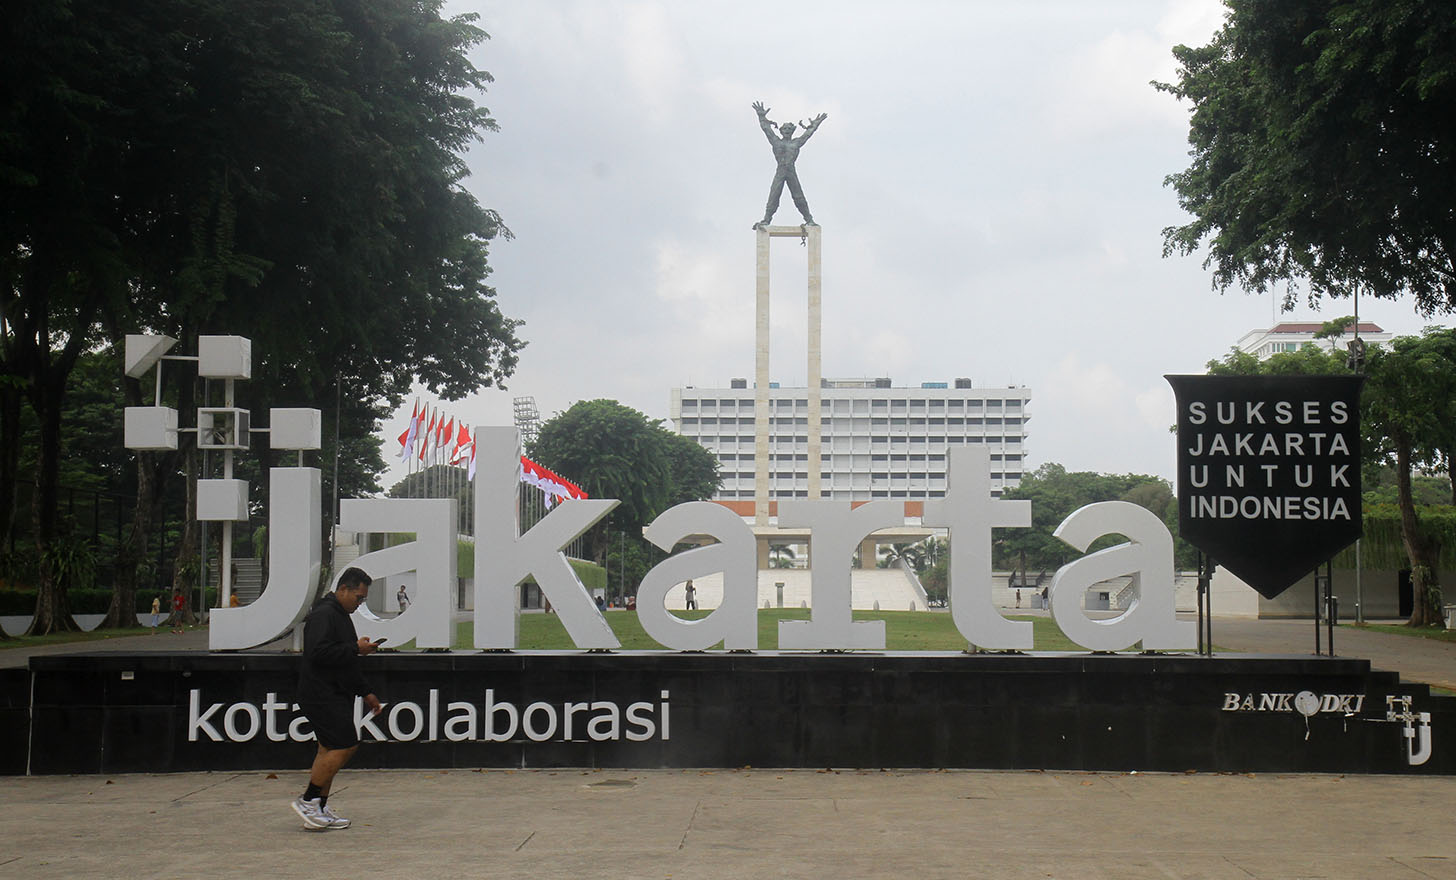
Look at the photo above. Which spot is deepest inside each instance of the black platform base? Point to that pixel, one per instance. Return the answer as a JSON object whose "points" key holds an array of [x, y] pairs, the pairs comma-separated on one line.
{"points": [[105, 713]]}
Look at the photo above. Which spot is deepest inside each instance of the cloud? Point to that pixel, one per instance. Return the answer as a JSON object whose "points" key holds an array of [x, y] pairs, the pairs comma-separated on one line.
{"points": [[694, 284], [1105, 85], [651, 59]]}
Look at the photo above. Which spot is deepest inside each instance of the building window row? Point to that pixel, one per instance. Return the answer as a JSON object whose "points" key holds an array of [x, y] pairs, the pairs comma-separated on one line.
{"points": [[878, 404]]}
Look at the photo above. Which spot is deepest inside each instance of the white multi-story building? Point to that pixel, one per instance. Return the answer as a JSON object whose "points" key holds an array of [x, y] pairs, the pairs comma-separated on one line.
{"points": [[1293, 335], [877, 441]]}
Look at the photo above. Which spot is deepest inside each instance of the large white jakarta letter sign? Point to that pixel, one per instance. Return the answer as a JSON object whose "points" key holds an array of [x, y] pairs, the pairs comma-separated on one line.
{"points": [[969, 512], [295, 556], [504, 557], [836, 531], [1148, 557], [431, 556], [735, 622]]}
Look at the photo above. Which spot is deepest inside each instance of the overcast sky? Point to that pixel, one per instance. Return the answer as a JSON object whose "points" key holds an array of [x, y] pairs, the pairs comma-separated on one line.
{"points": [[989, 182]]}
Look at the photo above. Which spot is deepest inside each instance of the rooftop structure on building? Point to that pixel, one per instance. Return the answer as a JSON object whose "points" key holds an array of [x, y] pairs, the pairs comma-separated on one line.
{"points": [[1293, 335], [877, 440]]}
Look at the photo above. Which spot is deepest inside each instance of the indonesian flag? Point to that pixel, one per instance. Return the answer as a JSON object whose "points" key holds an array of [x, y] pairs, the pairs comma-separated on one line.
{"points": [[470, 472], [447, 431], [429, 435], [557, 488], [462, 440], [407, 439], [417, 432]]}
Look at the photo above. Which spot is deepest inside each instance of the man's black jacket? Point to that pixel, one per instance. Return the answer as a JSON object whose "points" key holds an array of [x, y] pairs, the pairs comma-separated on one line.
{"points": [[331, 668]]}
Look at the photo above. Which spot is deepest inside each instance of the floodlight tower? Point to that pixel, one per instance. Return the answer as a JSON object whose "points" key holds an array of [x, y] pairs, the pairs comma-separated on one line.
{"points": [[223, 428], [528, 419]]}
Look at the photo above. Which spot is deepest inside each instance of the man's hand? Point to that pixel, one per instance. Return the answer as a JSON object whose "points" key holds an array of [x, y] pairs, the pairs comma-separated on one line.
{"points": [[375, 707], [366, 646], [820, 118], [761, 110]]}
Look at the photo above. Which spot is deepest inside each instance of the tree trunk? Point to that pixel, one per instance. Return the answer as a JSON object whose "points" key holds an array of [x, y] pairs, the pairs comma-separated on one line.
{"points": [[1425, 585], [132, 554], [133, 550], [9, 469], [189, 564], [9, 462], [52, 608]]}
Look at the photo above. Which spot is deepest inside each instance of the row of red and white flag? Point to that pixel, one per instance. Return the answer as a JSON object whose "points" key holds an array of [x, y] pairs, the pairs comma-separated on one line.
{"points": [[431, 437], [557, 488]]}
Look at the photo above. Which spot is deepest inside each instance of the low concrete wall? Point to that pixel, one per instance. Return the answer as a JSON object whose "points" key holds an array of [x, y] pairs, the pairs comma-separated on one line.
{"points": [[173, 711]]}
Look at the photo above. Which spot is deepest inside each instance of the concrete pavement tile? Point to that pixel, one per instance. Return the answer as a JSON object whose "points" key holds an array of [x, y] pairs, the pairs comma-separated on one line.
{"points": [[1305, 865], [675, 825]]}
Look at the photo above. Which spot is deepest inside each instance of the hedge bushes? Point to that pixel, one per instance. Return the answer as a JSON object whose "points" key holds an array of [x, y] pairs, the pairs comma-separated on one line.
{"points": [[94, 601]]}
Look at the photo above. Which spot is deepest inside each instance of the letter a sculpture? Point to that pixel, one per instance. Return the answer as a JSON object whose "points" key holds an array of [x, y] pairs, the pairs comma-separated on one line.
{"points": [[786, 150]]}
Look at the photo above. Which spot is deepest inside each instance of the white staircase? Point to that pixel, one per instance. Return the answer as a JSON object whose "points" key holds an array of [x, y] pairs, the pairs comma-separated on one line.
{"points": [[891, 588]]}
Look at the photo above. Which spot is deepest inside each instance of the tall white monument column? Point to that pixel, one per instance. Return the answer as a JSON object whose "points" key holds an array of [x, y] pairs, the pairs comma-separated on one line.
{"points": [[760, 384], [816, 371], [762, 453]]}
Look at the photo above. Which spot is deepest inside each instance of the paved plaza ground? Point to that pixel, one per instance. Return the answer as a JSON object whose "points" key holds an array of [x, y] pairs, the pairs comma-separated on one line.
{"points": [[754, 822], [683, 824]]}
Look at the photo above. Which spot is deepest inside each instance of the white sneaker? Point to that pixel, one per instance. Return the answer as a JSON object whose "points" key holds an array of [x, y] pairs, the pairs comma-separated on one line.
{"points": [[336, 822], [311, 814]]}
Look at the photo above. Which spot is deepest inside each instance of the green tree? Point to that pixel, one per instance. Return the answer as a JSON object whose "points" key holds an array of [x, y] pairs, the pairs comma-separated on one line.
{"points": [[285, 171], [1380, 487], [1321, 149], [936, 580], [1407, 413], [1054, 492], [693, 470], [906, 551], [1407, 422], [780, 556], [1334, 329], [1309, 360], [614, 451]]}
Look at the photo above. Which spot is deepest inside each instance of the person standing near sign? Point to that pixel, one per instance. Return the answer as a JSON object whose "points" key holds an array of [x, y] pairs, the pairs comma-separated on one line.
{"points": [[328, 680], [692, 591], [179, 603]]}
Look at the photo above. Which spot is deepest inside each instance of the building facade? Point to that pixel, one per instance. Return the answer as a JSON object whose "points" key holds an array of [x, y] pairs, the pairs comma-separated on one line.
{"points": [[1293, 335], [876, 440]]}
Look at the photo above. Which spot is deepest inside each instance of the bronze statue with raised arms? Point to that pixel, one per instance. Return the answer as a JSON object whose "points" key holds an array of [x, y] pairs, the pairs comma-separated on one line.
{"points": [[786, 150]]}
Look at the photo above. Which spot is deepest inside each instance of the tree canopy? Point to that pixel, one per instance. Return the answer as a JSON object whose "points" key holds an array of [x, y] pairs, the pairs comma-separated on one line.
{"points": [[286, 171], [1054, 492], [615, 451], [1321, 149], [1407, 423]]}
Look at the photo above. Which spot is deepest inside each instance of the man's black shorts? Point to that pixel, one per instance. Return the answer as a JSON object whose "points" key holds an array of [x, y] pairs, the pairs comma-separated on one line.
{"points": [[333, 723]]}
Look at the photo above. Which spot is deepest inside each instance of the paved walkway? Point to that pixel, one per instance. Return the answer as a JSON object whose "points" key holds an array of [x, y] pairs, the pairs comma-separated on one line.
{"points": [[682, 825], [1416, 659], [679, 825]]}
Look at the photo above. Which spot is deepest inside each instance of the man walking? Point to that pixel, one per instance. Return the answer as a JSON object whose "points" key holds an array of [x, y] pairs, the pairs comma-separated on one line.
{"points": [[328, 681]]}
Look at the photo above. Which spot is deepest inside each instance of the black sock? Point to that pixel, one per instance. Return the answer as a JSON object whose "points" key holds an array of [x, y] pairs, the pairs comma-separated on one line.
{"points": [[312, 792], [323, 801]]}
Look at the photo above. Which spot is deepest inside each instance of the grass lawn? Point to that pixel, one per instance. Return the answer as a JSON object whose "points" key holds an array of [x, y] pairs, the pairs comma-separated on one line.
{"points": [[1439, 633], [904, 631]]}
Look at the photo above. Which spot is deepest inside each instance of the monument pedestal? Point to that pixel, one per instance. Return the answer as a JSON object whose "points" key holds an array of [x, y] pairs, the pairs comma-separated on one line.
{"points": [[811, 236]]}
